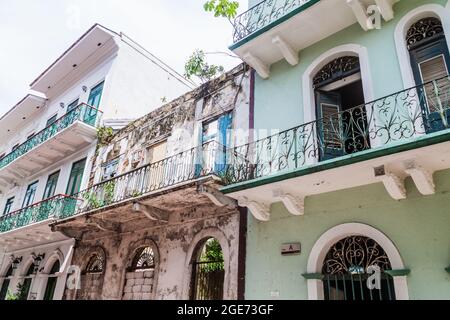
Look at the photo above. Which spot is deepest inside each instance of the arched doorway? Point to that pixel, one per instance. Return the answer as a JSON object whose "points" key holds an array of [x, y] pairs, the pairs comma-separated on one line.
{"points": [[52, 280], [345, 270], [430, 62], [140, 276], [208, 272], [342, 124], [27, 282], [5, 283]]}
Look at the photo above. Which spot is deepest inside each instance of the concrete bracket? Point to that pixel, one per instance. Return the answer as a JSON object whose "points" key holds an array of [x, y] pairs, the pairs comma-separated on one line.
{"points": [[216, 196], [260, 210], [153, 213], [423, 179], [295, 205], [393, 183]]}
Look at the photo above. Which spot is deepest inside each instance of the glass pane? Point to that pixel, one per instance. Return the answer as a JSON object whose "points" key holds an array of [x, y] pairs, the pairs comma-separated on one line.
{"points": [[8, 206], [72, 106], [29, 195], [95, 96], [52, 120], [76, 175], [50, 187]]}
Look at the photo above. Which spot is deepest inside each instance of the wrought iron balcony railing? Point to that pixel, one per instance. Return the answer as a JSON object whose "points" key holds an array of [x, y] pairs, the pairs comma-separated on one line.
{"points": [[83, 112], [397, 118], [208, 159], [264, 14], [38, 212]]}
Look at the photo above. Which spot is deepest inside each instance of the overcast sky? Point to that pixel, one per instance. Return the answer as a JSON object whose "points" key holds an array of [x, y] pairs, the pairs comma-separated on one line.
{"points": [[36, 32]]}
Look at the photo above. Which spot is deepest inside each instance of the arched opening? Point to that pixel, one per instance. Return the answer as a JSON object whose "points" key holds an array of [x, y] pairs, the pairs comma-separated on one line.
{"points": [[346, 271], [52, 281], [342, 125], [208, 272], [92, 276], [5, 283], [24, 288], [140, 276], [430, 63]]}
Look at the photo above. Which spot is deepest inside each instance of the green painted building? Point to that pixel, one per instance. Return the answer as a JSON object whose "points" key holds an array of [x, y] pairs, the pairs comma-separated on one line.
{"points": [[351, 154]]}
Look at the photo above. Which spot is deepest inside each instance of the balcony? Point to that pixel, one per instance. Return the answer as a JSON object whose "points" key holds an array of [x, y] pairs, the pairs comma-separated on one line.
{"points": [[274, 30], [371, 143], [32, 222], [146, 190], [66, 135]]}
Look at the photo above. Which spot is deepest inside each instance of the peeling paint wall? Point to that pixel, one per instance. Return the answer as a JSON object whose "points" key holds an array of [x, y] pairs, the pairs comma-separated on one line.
{"points": [[179, 122], [175, 244], [192, 216]]}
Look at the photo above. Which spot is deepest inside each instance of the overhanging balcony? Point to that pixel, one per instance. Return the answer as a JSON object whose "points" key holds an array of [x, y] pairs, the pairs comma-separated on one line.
{"points": [[68, 134], [149, 193], [406, 134], [274, 30], [30, 225]]}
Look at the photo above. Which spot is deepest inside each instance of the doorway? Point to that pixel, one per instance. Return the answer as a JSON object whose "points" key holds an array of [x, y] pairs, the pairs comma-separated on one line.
{"points": [[342, 125], [430, 62]]}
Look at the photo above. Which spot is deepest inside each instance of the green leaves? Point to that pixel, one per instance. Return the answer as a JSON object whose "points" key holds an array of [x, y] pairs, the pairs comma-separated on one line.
{"points": [[198, 67], [222, 8]]}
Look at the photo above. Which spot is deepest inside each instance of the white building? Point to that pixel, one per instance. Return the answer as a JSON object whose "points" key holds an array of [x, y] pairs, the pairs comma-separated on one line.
{"points": [[48, 141]]}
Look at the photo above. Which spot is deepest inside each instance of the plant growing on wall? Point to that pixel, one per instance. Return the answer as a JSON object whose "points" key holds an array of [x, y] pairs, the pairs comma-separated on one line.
{"points": [[104, 135], [109, 192], [196, 64]]}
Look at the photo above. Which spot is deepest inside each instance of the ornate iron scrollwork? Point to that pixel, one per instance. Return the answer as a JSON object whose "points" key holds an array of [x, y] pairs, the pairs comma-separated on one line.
{"points": [[144, 259], [335, 68], [353, 255], [95, 264], [422, 30]]}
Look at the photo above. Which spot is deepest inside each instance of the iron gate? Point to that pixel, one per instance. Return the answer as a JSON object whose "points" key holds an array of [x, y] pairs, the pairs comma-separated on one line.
{"points": [[207, 280]]}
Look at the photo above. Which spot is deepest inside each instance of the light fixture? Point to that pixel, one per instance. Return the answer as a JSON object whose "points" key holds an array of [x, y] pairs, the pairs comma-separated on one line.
{"points": [[62, 105], [37, 259], [84, 88], [15, 261]]}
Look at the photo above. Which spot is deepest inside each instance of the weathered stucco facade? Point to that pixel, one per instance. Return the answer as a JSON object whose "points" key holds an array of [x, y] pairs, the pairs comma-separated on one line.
{"points": [[179, 209]]}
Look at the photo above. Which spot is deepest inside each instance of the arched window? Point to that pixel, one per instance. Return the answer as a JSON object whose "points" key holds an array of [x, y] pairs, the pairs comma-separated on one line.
{"points": [[208, 272], [92, 276], [144, 259], [346, 267], [5, 283], [430, 62], [26, 285], [140, 276], [342, 126], [51, 281], [95, 264]]}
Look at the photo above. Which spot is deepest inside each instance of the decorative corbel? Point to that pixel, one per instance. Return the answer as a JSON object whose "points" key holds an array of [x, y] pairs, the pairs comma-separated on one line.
{"points": [[295, 205], [394, 184], [423, 179], [216, 196], [260, 210]]}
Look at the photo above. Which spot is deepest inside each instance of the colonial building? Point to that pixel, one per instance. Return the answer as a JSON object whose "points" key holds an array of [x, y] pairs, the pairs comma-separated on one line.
{"points": [[48, 142], [152, 225], [356, 175]]}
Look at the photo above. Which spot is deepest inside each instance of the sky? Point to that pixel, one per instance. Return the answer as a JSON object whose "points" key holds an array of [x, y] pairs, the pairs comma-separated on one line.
{"points": [[36, 32]]}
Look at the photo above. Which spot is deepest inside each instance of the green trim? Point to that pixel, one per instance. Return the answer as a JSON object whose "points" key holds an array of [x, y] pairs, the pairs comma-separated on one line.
{"points": [[398, 273], [423, 141], [313, 276], [272, 24]]}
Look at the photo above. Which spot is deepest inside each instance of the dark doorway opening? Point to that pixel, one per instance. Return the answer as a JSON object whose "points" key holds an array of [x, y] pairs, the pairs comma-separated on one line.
{"points": [[342, 125]]}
